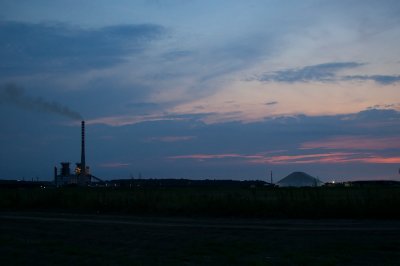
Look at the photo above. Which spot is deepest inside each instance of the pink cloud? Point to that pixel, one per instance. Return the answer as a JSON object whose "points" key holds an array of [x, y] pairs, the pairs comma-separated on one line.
{"points": [[225, 155], [318, 158], [114, 165], [379, 159], [203, 157], [213, 156], [128, 120], [356, 143], [329, 158], [171, 138]]}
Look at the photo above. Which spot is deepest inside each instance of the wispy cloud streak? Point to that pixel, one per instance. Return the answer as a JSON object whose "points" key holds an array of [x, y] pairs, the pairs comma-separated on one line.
{"points": [[354, 143], [215, 156], [317, 158], [328, 158], [170, 138], [382, 79], [114, 165], [327, 72], [322, 72], [129, 119]]}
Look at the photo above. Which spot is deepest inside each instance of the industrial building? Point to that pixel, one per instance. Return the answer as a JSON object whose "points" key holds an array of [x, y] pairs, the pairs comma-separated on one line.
{"points": [[81, 175]]}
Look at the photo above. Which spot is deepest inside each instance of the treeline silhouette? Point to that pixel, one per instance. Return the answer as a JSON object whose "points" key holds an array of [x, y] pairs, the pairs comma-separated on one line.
{"points": [[254, 202], [179, 183]]}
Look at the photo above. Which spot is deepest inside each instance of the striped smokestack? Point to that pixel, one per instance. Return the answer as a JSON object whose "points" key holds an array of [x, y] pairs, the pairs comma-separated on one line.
{"points": [[83, 161]]}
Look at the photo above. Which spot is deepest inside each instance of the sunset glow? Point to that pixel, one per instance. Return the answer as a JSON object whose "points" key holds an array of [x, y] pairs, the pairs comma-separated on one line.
{"points": [[198, 89]]}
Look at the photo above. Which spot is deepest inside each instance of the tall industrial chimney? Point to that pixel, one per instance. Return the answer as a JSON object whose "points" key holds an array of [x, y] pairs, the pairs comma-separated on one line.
{"points": [[83, 162]]}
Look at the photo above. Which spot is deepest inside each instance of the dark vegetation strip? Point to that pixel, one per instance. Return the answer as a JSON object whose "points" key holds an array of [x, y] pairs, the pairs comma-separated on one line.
{"points": [[239, 224], [370, 202]]}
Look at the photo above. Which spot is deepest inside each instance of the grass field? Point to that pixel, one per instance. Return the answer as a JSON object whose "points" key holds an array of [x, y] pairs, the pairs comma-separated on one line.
{"points": [[371, 202], [143, 226], [73, 239]]}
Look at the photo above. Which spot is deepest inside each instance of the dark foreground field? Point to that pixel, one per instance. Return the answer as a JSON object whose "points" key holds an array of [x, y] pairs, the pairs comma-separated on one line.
{"points": [[69, 239], [200, 226]]}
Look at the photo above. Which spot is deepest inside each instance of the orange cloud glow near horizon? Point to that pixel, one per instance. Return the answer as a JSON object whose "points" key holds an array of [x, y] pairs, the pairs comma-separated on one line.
{"points": [[319, 158], [354, 142]]}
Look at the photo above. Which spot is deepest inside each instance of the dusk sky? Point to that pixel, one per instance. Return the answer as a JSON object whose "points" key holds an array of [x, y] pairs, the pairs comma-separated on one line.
{"points": [[201, 89]]}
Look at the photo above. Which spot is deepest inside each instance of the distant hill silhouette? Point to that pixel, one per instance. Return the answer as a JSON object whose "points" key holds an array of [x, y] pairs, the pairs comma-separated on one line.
{"points": [[299, 179]]}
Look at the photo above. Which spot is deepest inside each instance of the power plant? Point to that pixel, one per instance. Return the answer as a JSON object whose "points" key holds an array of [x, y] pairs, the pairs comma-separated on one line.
{"points": [[81, 175]]}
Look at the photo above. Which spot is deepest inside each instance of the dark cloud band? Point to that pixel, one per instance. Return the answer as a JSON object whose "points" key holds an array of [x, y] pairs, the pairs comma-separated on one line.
{"points": [[327, 72], [382, 79], [321, 72], [26, 47]]}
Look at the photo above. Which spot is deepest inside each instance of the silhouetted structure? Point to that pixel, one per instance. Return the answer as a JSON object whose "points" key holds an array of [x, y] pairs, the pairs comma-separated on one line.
{"points": [[299, 179], [81, 175]]}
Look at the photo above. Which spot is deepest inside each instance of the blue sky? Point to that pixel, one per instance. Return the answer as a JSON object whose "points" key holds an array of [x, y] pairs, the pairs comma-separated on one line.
{"points": [[201, 89]]}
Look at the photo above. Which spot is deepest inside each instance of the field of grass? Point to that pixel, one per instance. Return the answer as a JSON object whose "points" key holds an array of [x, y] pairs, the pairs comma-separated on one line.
{"points": [[342, 202], [86, 240], [151, 231]]}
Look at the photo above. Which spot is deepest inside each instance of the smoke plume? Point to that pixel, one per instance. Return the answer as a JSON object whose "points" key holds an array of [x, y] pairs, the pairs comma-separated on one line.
{"points": [[14, 95]]}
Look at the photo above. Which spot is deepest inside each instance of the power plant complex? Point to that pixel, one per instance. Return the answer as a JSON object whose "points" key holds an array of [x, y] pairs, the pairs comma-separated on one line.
{"points": [[81, 175]]}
